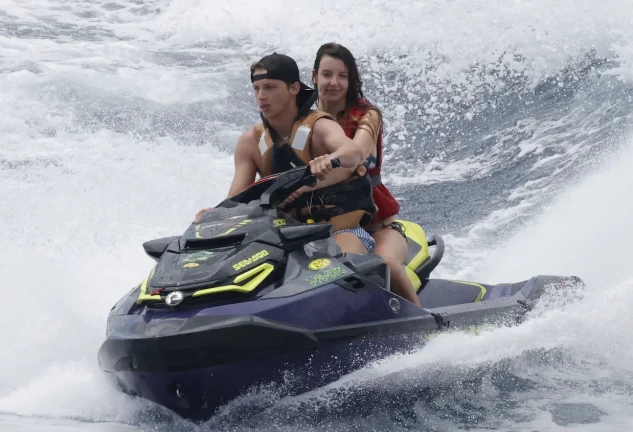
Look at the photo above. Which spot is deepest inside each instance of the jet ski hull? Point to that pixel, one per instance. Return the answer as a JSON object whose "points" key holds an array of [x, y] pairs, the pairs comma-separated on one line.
{"points": [[197, 360], [196, 394]]}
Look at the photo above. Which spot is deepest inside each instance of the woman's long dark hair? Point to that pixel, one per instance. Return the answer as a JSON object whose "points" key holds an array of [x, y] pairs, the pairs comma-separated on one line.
{"points": [[354, 96]]}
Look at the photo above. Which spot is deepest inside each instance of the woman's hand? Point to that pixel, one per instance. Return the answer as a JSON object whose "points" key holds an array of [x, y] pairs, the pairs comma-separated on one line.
{"points": [[321, 166]]}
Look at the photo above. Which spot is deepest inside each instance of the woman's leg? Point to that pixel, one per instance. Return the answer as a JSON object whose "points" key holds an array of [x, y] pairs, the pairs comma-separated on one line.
{"points": [[354, 240], [392, 247], [349, 243]]}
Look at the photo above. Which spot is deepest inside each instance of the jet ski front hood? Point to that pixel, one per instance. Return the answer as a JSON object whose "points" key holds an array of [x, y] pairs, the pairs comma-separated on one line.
{"points": [[212, 251]]}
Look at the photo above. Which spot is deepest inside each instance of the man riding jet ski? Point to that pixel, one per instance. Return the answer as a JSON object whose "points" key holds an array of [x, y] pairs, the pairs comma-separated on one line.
{"points": [[250, 296]]}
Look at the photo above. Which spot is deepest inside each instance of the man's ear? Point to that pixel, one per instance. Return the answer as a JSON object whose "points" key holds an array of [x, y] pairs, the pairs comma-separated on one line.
{"points": [[294, 88]]}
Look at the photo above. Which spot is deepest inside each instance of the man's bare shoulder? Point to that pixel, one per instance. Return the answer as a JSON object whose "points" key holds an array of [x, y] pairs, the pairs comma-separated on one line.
{"points": [[252, 135], [248, 141]]}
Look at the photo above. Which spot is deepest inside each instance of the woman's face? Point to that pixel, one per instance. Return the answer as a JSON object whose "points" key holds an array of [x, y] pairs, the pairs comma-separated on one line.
{"points": [[332, 79]]}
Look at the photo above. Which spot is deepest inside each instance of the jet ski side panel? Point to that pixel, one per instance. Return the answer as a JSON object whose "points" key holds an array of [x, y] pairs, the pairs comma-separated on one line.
{"points": [[196, 394], [197, 338]]}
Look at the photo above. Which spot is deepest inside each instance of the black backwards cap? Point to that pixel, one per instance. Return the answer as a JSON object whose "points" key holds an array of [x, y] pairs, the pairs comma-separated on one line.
{"points": [[284, 68]]}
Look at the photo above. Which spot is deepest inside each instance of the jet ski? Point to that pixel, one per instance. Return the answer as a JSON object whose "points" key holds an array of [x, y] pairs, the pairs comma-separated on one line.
{"points": [[249, 296]]}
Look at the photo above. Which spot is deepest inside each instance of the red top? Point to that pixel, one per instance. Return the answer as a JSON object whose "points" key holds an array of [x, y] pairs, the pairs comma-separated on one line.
{"points": [[386, 203]]}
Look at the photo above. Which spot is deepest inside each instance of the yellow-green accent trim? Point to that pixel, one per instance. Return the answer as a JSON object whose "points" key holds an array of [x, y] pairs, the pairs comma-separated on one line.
{"points": [[263, 269], [143, 296], [482, 289], [239, 225], [416, 233]]}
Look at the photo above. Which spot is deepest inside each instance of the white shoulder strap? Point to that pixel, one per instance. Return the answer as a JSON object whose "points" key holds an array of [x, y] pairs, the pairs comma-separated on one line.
{"points": [[262, 143], [301, 137]]}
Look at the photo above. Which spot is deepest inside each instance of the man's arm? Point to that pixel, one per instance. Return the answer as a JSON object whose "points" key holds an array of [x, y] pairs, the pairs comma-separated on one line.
{"points": [[245, 168]]}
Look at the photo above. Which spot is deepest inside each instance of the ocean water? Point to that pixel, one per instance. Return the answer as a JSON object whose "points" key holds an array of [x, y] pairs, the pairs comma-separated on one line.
{"points": [[508, 132]]}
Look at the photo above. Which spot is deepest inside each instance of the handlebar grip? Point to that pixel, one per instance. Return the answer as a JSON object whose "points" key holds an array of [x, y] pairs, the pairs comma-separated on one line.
{"points": [[336, 162]]}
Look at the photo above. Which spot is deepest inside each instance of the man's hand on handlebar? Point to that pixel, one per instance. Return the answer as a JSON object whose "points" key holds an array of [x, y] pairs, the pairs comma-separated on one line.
{"points": [[296, 194]]}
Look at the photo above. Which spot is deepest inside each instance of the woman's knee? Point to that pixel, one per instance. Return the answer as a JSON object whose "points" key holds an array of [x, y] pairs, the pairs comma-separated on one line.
{"points": [[390, 245], [349, 243], [394, 263], [355, 240]]}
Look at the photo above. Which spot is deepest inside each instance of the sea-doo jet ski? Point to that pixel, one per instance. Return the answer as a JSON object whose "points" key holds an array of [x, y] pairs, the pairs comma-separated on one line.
{"points": [[249, 296]]}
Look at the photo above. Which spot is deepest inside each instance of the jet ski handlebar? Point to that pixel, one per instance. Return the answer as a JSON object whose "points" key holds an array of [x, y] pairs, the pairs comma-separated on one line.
{"points": [[289, 182]]}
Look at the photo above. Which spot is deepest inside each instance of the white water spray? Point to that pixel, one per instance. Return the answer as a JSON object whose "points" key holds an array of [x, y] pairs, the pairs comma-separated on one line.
{"points": [[79, 197]]}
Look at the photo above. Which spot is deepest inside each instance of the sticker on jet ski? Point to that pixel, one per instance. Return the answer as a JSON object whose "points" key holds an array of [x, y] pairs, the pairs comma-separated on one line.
{"points": [[251, 260], [198, 256], [279, 222], [208, 230], [319, 264], [326, 276]]}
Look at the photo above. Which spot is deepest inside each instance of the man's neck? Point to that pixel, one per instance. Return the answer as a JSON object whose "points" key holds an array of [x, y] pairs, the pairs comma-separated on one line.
{"points": [[284, 123], [332, 108]]}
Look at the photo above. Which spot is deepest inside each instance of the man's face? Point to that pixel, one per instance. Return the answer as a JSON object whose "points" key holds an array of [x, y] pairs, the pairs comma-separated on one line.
{"points": [[274, 97]]}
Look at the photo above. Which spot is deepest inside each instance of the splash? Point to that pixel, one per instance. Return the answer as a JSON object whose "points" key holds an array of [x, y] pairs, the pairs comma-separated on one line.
{"points": [[119, 121]]}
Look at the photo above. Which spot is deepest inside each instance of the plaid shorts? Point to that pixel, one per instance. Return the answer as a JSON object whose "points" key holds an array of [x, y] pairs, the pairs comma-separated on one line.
{"points": [[365, 238]]}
